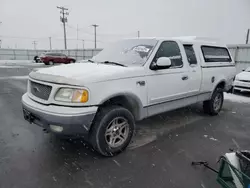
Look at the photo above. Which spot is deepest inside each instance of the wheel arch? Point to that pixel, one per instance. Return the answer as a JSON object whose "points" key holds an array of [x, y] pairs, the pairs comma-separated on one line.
{"points": [[127, 100], [220, 84]]}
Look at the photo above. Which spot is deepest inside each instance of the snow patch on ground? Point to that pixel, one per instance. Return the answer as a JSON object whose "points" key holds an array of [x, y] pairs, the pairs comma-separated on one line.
{"points": [[14, 77], [236, 98], [17, 63]]}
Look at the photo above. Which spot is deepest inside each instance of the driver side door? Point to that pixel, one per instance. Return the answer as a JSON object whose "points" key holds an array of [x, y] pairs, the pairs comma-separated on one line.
{"points": [[167, 87]]}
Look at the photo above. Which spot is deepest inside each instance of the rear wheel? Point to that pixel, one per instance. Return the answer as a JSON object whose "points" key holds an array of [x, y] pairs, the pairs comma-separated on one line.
{"points": [[113, 129], [214, 105]]}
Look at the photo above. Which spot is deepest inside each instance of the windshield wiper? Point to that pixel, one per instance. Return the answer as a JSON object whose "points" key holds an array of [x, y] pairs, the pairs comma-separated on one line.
{"points": [[113, 63]]}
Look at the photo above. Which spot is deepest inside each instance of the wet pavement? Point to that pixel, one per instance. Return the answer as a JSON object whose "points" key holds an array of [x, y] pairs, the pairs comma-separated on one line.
{"points": [[159, 156]]}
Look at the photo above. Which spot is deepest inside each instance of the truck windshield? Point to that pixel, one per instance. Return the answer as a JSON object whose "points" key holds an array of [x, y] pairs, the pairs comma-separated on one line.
{"points": [[130, 52]]}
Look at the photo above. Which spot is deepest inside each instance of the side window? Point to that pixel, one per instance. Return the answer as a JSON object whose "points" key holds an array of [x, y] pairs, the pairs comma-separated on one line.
{"points": [[170, 49], [215, 54], [190, 54]]}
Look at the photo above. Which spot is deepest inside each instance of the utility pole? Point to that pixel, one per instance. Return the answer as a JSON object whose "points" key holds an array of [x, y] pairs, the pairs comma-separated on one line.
{"points": [[34, 43], [0, 39], [95, 26], [64, 19], [138, 34], [77, 36], [50, 45], [247, 37], [83, 44], [83, 54]]}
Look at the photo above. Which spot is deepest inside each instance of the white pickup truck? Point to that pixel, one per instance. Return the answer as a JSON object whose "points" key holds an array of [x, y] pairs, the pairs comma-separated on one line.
{"points": [[102, 98]]}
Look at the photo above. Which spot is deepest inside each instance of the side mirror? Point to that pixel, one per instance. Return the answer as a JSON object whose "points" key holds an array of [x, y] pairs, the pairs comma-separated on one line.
{"points": [[161, 63], [243, 69]]}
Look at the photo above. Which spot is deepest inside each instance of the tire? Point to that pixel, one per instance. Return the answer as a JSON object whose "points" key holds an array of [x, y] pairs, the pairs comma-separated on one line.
{"points": [[51, 63], [103, 130], [214, 105], [36, 59], [230, 90], [236, 91], [71, 62]]}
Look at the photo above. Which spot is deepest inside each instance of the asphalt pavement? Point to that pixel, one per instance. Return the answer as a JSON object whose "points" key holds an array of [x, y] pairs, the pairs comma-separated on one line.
{"points": [[159, 156]]}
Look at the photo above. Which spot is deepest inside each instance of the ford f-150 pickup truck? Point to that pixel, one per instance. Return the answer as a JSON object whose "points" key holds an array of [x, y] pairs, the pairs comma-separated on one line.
{"points": [[132, 79]]}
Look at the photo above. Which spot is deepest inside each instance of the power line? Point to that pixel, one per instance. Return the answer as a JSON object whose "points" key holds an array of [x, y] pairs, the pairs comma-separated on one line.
{"points": [[83, 30], [20, 37], [64, 19], [95, 26]]}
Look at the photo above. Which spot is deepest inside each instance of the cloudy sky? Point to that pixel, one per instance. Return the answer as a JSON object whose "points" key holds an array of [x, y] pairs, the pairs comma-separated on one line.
{"points": [[24, 21]]}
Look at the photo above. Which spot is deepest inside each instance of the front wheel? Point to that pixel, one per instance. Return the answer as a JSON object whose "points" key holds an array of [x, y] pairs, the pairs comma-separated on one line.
{"points": [[214, 105], [113, 129]]}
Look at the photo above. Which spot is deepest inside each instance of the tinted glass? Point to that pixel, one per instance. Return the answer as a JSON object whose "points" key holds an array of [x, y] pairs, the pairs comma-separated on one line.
{"points": [[226, 175], [51, 54], [171, 50], [190, 54], [215, 54]]}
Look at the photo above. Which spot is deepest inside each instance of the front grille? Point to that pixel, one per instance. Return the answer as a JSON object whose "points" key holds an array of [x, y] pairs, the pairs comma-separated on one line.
{"points": [[40, 90], [244, 80]]}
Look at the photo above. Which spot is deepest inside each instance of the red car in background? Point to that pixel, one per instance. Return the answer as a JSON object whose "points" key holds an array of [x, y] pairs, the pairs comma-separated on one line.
{"points": [[51, 58]]}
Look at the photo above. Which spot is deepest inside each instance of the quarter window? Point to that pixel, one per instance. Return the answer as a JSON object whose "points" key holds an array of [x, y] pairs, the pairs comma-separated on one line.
{"points": [[171, 50], [215, 54], [190, 54]]}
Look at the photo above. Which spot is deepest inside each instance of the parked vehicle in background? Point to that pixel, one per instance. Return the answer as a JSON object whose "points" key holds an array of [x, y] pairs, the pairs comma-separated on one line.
{"points": [[52, 58], [36, 59], [242, 81], [131, 80]]}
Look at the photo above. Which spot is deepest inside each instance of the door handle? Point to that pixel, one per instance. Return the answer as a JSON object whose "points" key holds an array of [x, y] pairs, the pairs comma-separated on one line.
{"points": [[184, 77], [141, 83]]}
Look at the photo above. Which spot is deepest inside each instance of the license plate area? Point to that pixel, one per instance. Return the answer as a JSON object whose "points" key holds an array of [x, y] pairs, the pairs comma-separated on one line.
{"points": [[28, 116]]}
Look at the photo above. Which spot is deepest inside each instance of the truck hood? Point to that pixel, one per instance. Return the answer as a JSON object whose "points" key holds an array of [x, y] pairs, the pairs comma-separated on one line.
{"points": [[82, 73], [243, 76]]}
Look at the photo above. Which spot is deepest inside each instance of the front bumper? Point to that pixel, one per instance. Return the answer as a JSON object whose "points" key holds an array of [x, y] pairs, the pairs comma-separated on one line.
{"points": [[73, 120], [241, 85]]}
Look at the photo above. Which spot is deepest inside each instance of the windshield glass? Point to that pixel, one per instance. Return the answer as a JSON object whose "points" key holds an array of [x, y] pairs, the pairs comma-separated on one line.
{"points": [[130, 52]]}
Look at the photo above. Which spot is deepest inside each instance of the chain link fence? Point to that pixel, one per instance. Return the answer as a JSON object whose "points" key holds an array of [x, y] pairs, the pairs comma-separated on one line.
{"points": [[20, 54], [241, 55]]}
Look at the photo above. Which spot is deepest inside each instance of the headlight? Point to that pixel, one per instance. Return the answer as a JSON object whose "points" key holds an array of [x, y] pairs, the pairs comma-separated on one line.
{"points": [[72, 95]]}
